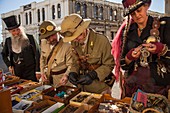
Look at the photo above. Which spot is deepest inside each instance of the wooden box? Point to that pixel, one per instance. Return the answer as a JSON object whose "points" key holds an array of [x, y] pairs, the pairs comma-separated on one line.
{"points": [[106, 98], [9, 80], [28, 85], [39, 107], [80, 99], [5, 101], [32, 95], [70, 92]]}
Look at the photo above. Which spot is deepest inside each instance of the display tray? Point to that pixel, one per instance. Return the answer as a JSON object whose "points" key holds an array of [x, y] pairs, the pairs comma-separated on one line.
{"points": [[108, 104], [61, 94], [9, 80], [80, 99], [28, 85], [32, 95], [39, 107], [15, 89]]}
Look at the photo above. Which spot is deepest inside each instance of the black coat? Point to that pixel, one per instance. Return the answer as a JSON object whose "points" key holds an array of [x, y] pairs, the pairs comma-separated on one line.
{"points": [[133, 41], [29, 59]]}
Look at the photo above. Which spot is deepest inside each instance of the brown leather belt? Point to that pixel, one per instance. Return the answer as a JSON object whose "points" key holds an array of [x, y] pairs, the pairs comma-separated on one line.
{"points": [[58, 72]]}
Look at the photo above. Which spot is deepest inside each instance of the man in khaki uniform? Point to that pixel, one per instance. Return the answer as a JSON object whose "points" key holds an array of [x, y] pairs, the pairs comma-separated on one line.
{"points": [[55, 60], [93, 61]]}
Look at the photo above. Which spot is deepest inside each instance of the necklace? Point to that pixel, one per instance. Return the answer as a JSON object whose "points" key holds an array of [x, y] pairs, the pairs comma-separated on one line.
{"points": [[140, 29]]}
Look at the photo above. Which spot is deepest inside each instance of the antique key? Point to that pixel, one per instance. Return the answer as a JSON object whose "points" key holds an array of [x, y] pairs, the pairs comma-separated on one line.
{"points": [[143, 58]]}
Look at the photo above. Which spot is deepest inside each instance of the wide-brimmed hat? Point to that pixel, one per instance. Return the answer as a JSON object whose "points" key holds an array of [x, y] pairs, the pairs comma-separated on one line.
{"points": [[48, 28], [132, 5], [72, 26], [11, 22]]}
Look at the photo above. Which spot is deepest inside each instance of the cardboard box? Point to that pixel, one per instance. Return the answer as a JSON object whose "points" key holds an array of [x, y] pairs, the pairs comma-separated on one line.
{"points": [[68, 93], [69, 109]]}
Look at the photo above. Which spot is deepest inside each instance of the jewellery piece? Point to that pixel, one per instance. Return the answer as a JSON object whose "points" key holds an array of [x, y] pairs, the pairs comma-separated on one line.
{"points": [[143, 58]]}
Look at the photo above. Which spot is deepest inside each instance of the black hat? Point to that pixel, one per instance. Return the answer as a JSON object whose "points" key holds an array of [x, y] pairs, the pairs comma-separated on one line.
{"points": [[11, 22]]}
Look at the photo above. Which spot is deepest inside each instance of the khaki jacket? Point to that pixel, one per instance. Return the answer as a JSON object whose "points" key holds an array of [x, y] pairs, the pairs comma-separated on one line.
{"points": [[62, 60], [98, 49]]}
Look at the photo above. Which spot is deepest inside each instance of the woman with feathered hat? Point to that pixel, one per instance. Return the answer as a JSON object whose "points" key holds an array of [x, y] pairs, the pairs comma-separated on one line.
{"points": [[144, 45]]}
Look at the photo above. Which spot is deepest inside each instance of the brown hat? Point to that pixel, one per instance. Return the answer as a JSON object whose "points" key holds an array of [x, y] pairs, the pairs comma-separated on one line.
{"points": [[11, 22], [48, 28], [72, 26], [133, 5]]}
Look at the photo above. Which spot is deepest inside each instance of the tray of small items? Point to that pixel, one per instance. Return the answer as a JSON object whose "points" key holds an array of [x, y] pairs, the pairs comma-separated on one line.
{"points": [[61, 94], [33, 95], [9, 79], [142, 102], [44, 106], [28, 85], [107, 104], [80, 99]]}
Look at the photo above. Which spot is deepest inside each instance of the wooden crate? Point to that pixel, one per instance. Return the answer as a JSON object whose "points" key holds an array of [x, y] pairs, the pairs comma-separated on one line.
{"points": [[10, 80], [70, 91], [80, 99], [28, 85], [107, 98]]}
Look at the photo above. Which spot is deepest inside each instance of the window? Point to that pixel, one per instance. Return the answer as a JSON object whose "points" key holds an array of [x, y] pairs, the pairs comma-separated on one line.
{"points": [[95, 12], [53, 11], [59, 10], [115, 15], [101, 13], [30, 15], [111, 14], [84, 11], [78, 8], [43, 14], [38, 12], [26, 17]]}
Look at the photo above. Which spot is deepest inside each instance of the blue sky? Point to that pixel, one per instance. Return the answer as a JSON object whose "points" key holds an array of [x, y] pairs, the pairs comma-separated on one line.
{"points": [[8, 5]]}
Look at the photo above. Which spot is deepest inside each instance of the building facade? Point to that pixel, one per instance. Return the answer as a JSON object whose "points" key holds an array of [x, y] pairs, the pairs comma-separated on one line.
{"points": [[167, 7], [106, 16]]}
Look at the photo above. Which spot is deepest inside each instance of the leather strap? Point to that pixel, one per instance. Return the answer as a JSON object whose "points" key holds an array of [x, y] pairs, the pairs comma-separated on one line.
{"points": [[53, 55]]}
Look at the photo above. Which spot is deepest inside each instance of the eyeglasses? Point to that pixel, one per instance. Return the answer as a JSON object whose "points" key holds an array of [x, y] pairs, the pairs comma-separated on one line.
{"points": [[48, 28], [71, 31]]}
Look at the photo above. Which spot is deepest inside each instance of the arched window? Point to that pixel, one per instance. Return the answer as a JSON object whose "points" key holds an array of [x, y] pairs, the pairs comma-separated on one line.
{"points": [[30, 15], [53, 11], [101, 13], [95, 12], [84, 11], [38, 12], [111, 14], [26, 17], [43, 14], [115, 15], [19, 18], [59, 10], [78, 8]]}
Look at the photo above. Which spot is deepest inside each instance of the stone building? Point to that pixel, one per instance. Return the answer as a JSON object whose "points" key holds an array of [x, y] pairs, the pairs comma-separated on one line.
{"points": [[106, 16], [167, 7]]}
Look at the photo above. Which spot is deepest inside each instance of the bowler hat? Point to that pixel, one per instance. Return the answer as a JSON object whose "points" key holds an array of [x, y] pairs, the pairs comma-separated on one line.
{"points": [[48, 28], [11, 22], [72, 26]]}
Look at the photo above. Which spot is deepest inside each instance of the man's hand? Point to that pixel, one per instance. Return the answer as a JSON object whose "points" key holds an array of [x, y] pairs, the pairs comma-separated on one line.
{"points": [[63, 80], [11, 70], [88, 78], [73, 78]]}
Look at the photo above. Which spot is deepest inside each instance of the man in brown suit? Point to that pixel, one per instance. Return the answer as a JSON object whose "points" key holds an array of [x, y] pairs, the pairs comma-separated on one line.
{"points": [[55, 60], [93, 62]]}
